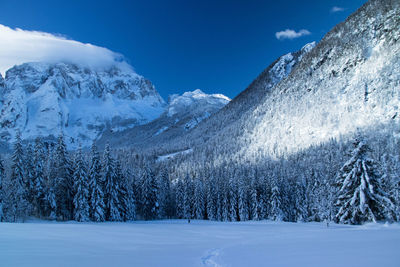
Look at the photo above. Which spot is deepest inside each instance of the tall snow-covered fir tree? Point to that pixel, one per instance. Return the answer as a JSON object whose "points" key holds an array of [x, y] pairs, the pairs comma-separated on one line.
{"points": [[254, 199], [29, 175], [17, 187], [39, 178], [198, 202], [164, 193], [360, 196], [276, 213], [111, 187], [149, 194], [51, 204], [233, 200], [179, 191], [81, 189], [127, 194], [211, 206], [126, 199], [63, 182], [96, 195], [187, 197], [225, 207], [2, 176], [243, 200]]}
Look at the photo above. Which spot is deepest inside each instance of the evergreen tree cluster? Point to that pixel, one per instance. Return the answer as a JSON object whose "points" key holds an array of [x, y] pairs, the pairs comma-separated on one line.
{"points": [[47, 181]]}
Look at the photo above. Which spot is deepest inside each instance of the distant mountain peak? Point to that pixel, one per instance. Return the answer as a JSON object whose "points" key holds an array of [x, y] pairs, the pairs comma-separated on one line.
{"points": [[308, 47], [179, 103], [44, 99]]}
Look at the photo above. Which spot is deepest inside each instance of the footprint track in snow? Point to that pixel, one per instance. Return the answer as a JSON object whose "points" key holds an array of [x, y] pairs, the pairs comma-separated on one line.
{"points": [[209, 258]]}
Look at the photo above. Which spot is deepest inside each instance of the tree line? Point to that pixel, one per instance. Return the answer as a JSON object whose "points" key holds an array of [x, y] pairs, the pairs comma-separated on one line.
{"points": [[49, 182]]}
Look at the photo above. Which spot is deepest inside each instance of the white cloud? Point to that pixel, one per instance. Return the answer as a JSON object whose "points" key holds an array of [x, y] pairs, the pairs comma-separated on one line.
{"points": [[19, 46], [337, 9], [291, 34]]}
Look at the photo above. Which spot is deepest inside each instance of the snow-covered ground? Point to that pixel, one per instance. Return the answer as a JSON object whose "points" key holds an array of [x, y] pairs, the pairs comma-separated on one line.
{"points": [[200, 243]]}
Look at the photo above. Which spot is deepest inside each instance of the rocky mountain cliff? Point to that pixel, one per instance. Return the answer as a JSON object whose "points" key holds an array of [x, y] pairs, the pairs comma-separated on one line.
{"points": [[41, 99]]}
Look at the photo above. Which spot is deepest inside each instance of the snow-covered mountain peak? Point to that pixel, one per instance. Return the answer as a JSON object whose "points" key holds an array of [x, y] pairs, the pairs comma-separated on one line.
{"points": [[183, 113], [308, 47], [193, 100], [284, 65], [43, 99], [1, 81], [80, 81]]}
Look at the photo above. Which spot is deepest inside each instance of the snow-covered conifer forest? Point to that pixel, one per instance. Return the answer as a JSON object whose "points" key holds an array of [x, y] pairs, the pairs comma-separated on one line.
{"points": [[314, 138], [312, 143], [345, 183]]}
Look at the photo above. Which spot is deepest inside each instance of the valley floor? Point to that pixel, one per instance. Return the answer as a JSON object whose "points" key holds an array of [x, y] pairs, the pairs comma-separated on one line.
{"points": [[200, 243]]}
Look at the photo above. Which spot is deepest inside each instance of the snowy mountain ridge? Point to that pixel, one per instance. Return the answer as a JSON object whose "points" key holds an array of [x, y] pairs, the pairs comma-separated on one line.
{"points": [[283, 67], [227, 120], [182, 114], [347, 83], [177, 103], [43, 99]]}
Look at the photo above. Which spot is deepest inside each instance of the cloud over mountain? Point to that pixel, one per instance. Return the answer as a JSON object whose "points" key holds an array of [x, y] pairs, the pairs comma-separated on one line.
{"points": [[18, 46]]}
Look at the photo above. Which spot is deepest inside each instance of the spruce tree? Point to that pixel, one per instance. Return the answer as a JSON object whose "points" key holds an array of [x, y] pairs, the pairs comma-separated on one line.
{"points": [[276, 213], [263, 198], [179, 192], [243, 200], [63, 182], [164, 193], [224, 191], [81, 198], [300, 213], [39, 178], [396, 198], [126, 186], [254, 199], [149, 194], [51, 204], [111, 200], [125, 200], [17, 190], [198, 199], [360, 196], [2, 176], [211, 198], [187, 197], [30, 176], [233, 208], [96, 195]]}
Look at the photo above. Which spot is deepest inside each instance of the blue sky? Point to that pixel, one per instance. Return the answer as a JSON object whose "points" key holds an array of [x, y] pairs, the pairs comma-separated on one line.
{"points": [[217, 46]]}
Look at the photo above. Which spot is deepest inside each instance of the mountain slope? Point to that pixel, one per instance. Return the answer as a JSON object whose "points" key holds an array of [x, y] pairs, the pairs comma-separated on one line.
{"points": [[225, 123], [183, 113], [41, 99], [348, 83]]}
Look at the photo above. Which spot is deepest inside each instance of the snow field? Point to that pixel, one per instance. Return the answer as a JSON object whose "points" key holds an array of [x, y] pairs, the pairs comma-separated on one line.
{"points": [[200, 243]]}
